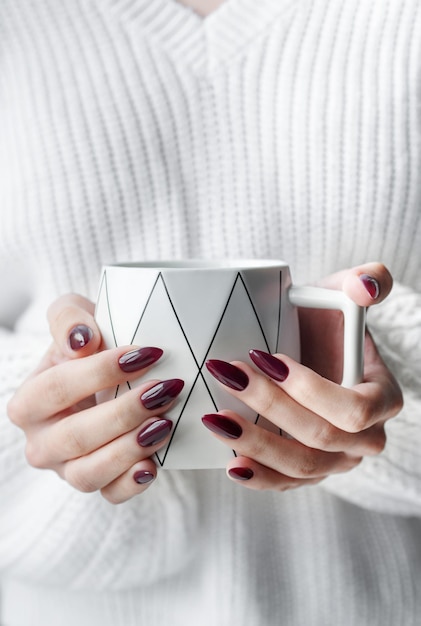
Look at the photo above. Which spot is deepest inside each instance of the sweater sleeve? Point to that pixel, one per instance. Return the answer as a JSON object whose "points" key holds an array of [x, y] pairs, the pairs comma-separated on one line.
{"points": [[391, 481], [51, 533]]}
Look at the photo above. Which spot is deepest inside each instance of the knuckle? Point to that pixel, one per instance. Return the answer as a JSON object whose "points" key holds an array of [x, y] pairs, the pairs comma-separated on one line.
{"points": [[114, 497], [304, 392], [324, 436], [56, 390], [397, 404], [378, 442], [66, 312], [63, 307], [257, 446], [267, 400], [35, 455], [308, 464], [55, 308], [352, 462], [122, 413], [17, 410], [359, 417], [73, 446], [77, 478], [118, 460], [60, 315]]}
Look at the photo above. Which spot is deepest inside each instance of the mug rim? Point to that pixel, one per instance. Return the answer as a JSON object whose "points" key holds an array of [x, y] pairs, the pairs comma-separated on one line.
{"points": [[201, 264]]}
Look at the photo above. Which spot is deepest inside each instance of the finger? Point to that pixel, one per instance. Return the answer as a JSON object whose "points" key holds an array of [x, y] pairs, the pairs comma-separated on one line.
{"points": [[132, 483], [303, 422], [366, 284], [259, 477], [285, 456], [73, 327], [84, 432], [68, 383], [354, 410], [103, 466]]}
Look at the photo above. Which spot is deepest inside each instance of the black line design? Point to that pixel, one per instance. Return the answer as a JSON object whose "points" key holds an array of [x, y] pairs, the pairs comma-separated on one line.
{"points": [[145, 307], [279, 313], [179, 323], [279, 321], [255, 312], [159, 456], [199, 374], [238, 277], [219, 325], [108, 307], [101, 287], [111, 322], [118, 387]]}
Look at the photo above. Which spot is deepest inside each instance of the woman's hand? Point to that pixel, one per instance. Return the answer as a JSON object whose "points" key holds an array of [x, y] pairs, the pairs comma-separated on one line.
{"points": [[104, 447], [327, 428]]}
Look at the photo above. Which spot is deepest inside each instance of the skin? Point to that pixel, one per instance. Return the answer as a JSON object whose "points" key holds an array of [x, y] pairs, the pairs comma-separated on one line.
{"points": [[202, 7], [95, 447]]}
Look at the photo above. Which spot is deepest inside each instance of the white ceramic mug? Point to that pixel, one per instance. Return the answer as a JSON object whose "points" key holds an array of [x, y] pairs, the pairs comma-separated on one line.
{"points": [[199, 310]]}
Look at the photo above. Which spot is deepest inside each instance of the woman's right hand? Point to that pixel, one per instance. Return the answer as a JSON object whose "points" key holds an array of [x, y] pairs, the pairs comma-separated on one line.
{"points": [[106, 447]]}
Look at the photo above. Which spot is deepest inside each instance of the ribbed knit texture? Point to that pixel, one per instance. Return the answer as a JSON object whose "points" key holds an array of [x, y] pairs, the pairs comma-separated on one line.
{"points": [[132, 129]]}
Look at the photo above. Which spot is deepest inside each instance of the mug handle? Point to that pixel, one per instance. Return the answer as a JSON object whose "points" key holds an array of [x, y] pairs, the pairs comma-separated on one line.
{"points": [[354, 325]]}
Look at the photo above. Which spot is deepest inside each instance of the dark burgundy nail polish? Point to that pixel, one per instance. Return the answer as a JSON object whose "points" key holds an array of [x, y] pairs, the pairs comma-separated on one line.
{"points": [[142, 477], [371, 285], [270, 365], [154, 433], [241, 473], [162, 393], [222, 425], [228, 374], [138, 359], [79, 336]]}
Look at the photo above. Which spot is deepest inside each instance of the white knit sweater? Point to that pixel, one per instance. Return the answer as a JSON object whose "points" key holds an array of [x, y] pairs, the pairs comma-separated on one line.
{"points": [[132, 129]]}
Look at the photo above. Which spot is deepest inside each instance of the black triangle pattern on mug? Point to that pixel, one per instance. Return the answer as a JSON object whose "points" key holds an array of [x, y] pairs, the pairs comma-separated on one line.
{"points": [[178, 336]]}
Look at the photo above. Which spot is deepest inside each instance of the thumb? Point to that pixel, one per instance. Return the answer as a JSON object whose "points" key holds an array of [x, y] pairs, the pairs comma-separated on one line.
{"points": [[366, 284], [73, 327]]}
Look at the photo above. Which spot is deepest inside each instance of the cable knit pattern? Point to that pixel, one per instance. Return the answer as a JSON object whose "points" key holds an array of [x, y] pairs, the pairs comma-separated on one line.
{"points": [[132, 129], [392, 480], [60, 536]]}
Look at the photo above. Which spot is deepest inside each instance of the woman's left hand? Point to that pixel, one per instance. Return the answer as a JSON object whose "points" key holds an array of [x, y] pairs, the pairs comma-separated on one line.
{"points": [[326, 428]]}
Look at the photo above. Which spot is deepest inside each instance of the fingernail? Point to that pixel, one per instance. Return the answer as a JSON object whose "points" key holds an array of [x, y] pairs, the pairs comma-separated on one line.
{"points": [[228, 374], [371, 285], [241, 473], [222, 425], [139, 358], [270, 365], [154, 433], [161, 393], [142, 477], [79, 336]]}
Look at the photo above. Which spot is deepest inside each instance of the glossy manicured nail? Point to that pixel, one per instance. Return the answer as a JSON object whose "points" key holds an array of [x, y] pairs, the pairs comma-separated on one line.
{"points": [[154, 433], [143, 476], [270, 365], [162, 393], [222, 425], [241, 473], [79, 336], [371, 285], [139, 358], [228, 374]]}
